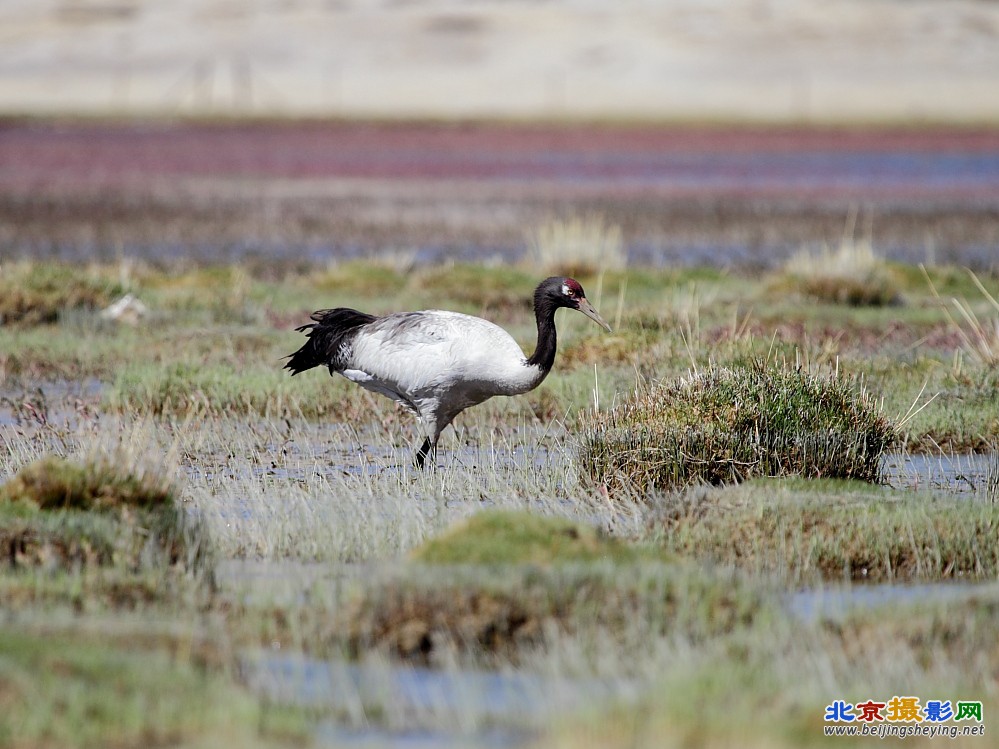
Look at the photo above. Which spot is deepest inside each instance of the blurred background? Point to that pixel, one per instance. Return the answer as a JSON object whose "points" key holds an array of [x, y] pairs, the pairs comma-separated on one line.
{"points": [[743, 60], [704, 131]]}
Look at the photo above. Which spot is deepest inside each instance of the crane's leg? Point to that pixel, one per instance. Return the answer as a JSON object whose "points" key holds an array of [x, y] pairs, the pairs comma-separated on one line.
{"points": [[427, 449], [433, 424]]}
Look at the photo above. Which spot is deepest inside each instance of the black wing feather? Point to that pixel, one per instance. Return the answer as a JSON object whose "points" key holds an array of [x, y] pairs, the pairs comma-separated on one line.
{"points": [[330, 337]]}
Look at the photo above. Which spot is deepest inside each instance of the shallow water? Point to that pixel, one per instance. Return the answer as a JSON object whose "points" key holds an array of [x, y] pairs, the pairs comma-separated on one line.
{"points": [[330, 734], [52, 400], [345, 452], [410, 705], [480, 695], [962, 473], [836, 602]]}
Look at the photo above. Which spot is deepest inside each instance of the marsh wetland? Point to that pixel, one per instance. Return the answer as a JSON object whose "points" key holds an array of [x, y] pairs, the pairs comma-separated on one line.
{"points": [[774, 485]]}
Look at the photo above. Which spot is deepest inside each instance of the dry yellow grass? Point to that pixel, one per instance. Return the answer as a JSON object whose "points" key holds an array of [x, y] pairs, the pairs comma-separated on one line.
{"points": [[852, 273], [581, 245]]}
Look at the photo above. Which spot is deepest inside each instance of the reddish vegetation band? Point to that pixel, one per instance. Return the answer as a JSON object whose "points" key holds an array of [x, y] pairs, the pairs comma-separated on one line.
{"points": [[600, 159]]}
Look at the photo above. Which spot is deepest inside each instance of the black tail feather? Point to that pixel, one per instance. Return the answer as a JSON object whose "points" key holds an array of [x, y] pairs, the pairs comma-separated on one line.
{"points": [[327, 335]]}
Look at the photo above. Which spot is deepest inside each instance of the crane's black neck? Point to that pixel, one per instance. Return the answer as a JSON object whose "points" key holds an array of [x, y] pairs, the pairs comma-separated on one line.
{"points": [[544, 353]]}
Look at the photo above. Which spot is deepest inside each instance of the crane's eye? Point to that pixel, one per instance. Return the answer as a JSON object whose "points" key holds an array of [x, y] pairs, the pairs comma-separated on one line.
{"points": [[572, 289]]}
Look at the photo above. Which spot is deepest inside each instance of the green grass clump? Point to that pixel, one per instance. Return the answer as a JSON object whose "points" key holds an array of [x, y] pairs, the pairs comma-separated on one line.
{"points": [[809, 531], [31, 294], [852, 274], [504, 537], [359, 277], [58, 513], [177, 389], [31, 538], [68, 691], [430, 614], [56, 483], [731, 424], [769, 687], [97, 588], [476, 288]]}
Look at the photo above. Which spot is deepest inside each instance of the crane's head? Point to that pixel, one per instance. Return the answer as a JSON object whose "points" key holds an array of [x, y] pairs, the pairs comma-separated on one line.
{"points": [[567, 292]]}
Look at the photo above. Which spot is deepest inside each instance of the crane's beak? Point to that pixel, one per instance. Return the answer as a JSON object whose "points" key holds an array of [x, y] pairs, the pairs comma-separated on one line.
{"points": [[587, 309]]}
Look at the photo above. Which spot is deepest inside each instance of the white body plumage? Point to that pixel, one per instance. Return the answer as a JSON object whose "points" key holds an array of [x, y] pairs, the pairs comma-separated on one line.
{"points": [[438, 363]]}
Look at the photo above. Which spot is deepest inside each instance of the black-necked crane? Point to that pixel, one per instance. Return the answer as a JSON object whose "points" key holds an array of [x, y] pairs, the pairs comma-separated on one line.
{"points": [[437, 363]]}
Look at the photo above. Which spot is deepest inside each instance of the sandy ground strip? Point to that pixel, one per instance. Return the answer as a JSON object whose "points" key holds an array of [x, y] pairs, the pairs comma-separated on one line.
{"points": [[771, 60]]}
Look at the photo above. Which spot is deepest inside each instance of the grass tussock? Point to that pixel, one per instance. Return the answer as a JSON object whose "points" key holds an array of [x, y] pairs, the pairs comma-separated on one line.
{"points": [[479, 289], [852, 274], [582, 245], [94, 586], [55, 513], [812, 531], [614, 349], [715, 698], [506, 537], [369, 278], [64, 540], [54, 483], [68, 691], [432, 616], [730, 424], [33, 294]]}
